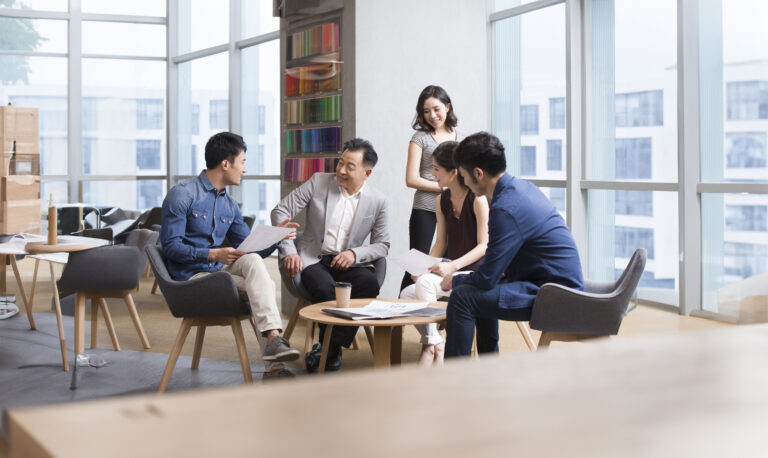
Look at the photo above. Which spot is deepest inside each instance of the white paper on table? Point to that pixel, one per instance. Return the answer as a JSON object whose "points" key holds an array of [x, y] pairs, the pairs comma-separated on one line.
{"points": [[416, 262], [262, 237]]}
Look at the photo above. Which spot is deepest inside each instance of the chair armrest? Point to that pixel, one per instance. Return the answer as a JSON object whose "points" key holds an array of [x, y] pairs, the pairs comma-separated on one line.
{"points": [[561, 309]]}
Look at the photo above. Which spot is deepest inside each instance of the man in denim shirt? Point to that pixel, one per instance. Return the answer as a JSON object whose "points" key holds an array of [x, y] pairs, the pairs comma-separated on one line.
{"points": [[198, 215], [528, 245]]}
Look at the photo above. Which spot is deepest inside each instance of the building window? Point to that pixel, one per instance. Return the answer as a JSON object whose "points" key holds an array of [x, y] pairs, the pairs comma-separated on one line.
{"points": [[150, 193], [637, 203], [633, 158], [745, 150], [528, 160], [196, 119], [262, 117], [747, 100], [557, 113], [88, 146], [260, 159], [219, 115], [90, 113], [529, 120], [148, 155], [743, 260], [644, 108], [193, 158], [554, 155], [557, 196], [629, 239], [149, 113], [746, 218], [262, 196]]}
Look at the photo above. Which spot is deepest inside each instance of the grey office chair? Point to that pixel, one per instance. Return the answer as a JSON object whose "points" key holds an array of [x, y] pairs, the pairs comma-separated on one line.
{"points": [[304, 298], [140, 238], [212, 300], [567, 315]]}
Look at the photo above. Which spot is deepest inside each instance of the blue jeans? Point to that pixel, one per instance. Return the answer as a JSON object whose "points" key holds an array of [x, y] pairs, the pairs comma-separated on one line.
{"points": [[470, 307]]}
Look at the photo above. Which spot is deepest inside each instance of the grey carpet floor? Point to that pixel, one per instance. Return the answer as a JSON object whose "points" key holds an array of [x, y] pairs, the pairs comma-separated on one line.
{"points": [[31, 373]]}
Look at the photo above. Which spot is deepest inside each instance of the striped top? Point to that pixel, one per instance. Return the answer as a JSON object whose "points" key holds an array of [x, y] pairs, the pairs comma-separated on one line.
{"points": [[425, 200]]}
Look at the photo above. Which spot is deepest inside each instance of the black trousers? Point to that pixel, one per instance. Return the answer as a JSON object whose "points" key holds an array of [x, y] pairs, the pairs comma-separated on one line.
{"points": [[421, 229], [318, 279]]}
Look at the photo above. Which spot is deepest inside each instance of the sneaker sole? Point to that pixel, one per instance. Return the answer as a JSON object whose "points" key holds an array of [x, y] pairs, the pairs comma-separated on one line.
{"points": [[288, 355]]}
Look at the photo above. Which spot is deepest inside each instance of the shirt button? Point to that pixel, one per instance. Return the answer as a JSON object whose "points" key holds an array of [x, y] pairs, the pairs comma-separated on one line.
{"points": [[203, 216]]}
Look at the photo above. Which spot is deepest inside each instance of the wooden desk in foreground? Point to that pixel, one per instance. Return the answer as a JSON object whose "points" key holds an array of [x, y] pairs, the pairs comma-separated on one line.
{"points": [[696, 394]]}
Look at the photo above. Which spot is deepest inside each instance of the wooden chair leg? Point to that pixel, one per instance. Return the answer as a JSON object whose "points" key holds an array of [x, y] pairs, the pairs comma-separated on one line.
{"points": [[544, 340], [110, 325], [369, 335], [308, 339], [294, 318], [473, 353], [526, 333], [57, 304], [136, 321], [355, 344], [154, 287], [174, 356], [237, 330], [198, 346], [94, 322]]}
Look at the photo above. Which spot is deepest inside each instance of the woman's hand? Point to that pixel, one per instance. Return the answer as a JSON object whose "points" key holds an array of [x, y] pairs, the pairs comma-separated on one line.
{"points": [[442, 269]]}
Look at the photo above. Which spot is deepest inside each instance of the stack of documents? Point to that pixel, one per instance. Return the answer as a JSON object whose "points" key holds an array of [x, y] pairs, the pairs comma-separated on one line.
{"points": [[380, 310]]}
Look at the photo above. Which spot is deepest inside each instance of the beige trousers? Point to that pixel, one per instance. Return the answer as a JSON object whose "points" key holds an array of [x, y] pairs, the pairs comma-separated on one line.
{"points": [[254, 283]]}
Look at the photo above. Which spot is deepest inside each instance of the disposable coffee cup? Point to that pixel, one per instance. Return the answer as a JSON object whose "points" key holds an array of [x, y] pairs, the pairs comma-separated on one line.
{"points": [[343, 293]]}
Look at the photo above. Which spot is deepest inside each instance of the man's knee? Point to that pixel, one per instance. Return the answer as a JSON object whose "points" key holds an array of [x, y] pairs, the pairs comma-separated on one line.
{"points": [[366, 284]]}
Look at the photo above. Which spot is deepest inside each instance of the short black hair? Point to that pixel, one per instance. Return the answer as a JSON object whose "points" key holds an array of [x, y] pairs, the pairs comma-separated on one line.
{"points": [[370, 158], [443, 156], [223, 146], [481, 150], [421, 124]]}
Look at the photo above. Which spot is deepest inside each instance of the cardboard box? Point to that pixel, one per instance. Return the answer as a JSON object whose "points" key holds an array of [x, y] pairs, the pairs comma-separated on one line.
{"points": [[19, 124], [20, 216], [19, 187]]}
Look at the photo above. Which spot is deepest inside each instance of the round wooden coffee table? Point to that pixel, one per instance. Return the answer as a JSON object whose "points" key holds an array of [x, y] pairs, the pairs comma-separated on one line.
{"points": [[387, 334]]}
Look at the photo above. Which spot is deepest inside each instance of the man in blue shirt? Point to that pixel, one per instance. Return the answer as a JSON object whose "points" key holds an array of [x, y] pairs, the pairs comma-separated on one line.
{"points": [[528, 245], [197, 216]]}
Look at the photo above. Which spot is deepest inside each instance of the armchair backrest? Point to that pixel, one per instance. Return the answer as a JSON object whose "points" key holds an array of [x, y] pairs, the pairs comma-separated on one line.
{"points": [[108, 267]]}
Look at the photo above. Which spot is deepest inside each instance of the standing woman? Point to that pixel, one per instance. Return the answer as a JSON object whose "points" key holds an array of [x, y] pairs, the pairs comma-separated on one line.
{"points": [[435, 123]]}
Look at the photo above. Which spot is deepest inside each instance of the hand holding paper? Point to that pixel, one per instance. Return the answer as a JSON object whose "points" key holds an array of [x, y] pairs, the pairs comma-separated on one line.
{"points": [[262, 237], [416, 262]]}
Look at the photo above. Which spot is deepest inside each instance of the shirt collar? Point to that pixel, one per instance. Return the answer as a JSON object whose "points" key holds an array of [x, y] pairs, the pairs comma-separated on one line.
{"points": [[504, 181], [205, 182], [357, 194]]}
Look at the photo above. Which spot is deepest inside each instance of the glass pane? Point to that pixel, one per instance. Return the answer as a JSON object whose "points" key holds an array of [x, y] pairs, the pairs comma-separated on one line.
{"points": [[261, 107], [39, 82], [619, 222], [212, 16], [123, 117], [43, 35], [60, 191], [557, 196], [129, 194], [257, 18], [259, 198], [529, 92], [110, 38], [634, 90], [734, 249], [42, 5], [203, 94], [498, 5], [134, 7], [734, 91]]}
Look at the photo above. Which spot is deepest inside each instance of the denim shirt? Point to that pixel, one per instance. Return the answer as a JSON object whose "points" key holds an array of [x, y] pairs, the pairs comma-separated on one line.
{"points": [[198, 217], [528, 245]]}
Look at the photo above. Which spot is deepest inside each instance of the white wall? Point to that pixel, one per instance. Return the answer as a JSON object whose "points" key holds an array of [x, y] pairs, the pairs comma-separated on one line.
{"points": [[401, 46]]}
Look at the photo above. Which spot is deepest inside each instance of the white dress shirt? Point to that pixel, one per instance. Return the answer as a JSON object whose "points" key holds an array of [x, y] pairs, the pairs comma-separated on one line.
{"points": [[337, 234]]}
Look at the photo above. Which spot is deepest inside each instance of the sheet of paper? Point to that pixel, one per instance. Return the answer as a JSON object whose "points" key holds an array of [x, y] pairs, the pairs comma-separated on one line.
{"points": [[416, 262], [262, 237], [383, 308]]}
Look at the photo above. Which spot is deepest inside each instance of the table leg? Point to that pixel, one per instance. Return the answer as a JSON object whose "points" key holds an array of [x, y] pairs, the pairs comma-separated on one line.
{"points": [[309, 337], [326, 344], [79, 323], [396, 346], [22, 293], [382, 346], [62, 339]]}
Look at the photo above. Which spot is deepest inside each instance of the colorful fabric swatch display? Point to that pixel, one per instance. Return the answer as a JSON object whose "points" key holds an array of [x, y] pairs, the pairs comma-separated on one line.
{"points": [[319, 140], [312, 78], [313, 110], [321, 39], [301, 170]]}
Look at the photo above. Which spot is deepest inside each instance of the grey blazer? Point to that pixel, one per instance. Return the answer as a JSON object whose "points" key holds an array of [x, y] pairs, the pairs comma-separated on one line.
{"points": [[321, 193]]}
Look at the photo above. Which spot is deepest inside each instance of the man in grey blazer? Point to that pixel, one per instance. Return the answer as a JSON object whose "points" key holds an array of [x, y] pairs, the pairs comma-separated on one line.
{"points": [[342, 212]]}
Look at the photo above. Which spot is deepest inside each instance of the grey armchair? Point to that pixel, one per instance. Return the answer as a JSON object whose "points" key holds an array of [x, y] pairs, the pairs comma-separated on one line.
{"points": [[212, 300], [565, 314], [304, 298]]}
